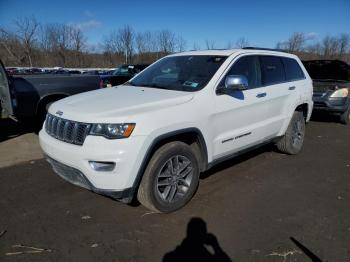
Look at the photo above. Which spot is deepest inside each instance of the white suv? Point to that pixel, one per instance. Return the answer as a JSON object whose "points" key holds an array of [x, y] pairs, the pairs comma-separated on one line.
{"points": [[154, 135]]}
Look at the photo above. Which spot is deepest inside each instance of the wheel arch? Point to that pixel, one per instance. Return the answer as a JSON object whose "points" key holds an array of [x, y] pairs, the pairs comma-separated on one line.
{"points": [[47, 99], [191, 136], [304, 108]]}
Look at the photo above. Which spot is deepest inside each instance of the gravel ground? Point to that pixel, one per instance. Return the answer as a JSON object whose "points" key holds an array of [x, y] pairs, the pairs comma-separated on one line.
{"points": [[262, 206]]}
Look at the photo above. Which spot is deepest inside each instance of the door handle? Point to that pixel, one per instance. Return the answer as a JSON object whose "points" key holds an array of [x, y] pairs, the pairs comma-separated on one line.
{"points": [[261, 95], [291, 88]]}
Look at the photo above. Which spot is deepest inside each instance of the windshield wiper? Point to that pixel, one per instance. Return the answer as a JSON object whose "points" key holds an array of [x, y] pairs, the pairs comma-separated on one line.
{"points": [[157, 86], [129, 83], [153, 85]]}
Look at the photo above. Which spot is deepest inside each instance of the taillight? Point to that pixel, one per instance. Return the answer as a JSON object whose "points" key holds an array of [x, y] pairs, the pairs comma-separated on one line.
{"points": [[101, 83]]}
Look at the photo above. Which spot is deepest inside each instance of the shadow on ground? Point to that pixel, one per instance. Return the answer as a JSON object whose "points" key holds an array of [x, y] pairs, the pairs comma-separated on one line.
{"points": [[11, 129], [199, 245], [324, 117], [306, 251], [238, 159]]}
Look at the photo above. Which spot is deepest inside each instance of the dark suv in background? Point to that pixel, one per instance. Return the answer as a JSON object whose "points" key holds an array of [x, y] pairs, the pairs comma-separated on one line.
{"points": [[331, 82], [122, 74]]}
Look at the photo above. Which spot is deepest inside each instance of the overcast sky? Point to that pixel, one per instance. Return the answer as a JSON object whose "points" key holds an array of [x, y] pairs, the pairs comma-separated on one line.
{"points": [[263, 22]]}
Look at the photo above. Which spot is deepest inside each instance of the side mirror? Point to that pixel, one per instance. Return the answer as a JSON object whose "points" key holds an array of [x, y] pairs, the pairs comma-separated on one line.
{"points": [[234, 83]]}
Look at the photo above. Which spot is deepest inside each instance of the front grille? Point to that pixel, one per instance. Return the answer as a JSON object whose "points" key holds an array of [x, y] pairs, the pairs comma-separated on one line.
{"points": [[66, 130], [321, 87]]}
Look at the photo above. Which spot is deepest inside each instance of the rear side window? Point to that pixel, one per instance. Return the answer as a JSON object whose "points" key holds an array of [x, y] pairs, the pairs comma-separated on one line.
{"points": [[292, 69], [272, 70]]}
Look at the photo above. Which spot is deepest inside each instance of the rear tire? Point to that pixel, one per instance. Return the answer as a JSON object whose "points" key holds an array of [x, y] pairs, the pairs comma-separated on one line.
{"points": [[345, 117], [292, 141], [171, 178]]}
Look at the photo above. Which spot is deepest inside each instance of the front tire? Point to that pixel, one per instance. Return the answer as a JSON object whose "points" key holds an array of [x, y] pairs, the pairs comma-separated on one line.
{"points": [[171, 178], [292, 141]]}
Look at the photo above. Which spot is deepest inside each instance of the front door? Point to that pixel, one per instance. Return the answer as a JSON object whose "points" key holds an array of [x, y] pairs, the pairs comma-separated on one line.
{"points": [[240, 118]]}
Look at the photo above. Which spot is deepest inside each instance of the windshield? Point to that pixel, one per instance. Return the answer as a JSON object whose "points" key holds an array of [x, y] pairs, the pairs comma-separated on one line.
{"points": [[184, 73], [328, 70]]}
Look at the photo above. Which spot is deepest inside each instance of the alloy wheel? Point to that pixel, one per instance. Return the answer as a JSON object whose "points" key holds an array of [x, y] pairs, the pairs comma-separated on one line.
{"points": [[174, 178]]}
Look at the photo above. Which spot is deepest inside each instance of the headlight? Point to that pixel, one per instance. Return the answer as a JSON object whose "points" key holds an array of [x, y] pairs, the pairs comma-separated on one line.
{"points": [[112, 131], [343, 92]]}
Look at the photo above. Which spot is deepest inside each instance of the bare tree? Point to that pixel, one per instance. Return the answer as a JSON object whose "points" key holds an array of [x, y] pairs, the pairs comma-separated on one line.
{"points": [[121, 42], [29, 43], [330, 47], [146, 45], [229, 44], [166, 41], [27, 29], [78, 44], [145, 42], [64, 43], [314, 50], [241, 42], [111, 43], [295, 43], [78, 39], [196, 46], [13, 51], [111, 47], [180, 44], [126, 37], [140, 41], [344, 42], [58, 39], [210, 44]]}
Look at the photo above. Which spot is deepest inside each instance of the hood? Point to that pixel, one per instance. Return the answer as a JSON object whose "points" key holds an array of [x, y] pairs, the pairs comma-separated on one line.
{"points": [[117, 102], [328, 70]]}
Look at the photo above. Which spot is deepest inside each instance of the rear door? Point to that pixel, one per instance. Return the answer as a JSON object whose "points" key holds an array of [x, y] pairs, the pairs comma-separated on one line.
{"points": [[273, 77], [281, 76], [5, 96]]}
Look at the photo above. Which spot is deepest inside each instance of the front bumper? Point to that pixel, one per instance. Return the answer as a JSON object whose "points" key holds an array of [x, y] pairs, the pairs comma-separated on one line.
{"points": [[322, 102], [71, 162], [74, 176]]}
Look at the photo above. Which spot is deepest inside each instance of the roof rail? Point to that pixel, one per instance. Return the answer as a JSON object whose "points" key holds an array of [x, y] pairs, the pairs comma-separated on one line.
{"points": [[262, 48]]}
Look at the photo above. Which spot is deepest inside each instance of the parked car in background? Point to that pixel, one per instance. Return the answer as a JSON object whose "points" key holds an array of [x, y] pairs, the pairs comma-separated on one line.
{"points": [[95, 72], [331, 82], [152, 136], [75, 72], [11, 70], [122, 74], [27, 97]]}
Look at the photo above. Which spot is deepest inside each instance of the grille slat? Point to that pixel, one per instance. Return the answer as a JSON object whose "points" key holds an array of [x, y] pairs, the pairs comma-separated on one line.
{"points": [[64, 135], [66, 130], [54, 127]]}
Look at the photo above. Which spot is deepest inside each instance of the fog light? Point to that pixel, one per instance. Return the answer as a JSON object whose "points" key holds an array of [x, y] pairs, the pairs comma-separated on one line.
{"points": [[102, 166]]}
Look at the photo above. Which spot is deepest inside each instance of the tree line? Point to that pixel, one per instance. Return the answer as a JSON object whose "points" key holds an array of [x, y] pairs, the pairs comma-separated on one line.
{"points": [[330, 47], [31, 43]]}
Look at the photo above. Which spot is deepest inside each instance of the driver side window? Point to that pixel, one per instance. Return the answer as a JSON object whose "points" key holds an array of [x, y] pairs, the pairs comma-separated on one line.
{"points": [[249, 67]]}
